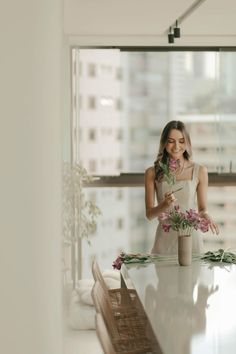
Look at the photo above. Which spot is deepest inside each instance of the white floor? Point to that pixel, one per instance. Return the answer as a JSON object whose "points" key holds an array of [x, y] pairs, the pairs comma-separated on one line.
{"points": [[81, 342]]}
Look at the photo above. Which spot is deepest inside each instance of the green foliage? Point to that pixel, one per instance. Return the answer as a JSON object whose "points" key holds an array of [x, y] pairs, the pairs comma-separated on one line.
{"points": [[169, 175], [78, 214], [220, 256]]}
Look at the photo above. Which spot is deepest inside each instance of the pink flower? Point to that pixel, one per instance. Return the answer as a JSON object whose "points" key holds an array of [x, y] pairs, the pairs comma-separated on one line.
{"points": [[166, 227], [193, 217], [163, 216], [173, 165], [117, 263], [204, 224], [177, 208]]}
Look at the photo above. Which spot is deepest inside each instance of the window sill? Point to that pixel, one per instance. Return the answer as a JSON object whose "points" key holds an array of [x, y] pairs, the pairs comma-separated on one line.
{"points": [[137, 180]]}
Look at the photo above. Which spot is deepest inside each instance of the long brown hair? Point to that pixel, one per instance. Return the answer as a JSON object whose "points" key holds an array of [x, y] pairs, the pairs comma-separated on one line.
{"points": [[162, 153]]}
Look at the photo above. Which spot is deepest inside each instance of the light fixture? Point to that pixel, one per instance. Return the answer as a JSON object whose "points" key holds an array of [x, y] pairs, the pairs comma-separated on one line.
{"points": [[171, 36], [176, 30]]}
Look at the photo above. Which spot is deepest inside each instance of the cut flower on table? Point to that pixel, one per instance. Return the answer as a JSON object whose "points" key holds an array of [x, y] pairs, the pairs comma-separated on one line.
{"points": [[132, 258], [142, 258], [212, 256], [220, 256]]}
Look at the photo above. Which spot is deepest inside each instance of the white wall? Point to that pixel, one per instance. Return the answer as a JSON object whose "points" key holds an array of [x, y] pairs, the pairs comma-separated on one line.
{"points": [[30, 186]]}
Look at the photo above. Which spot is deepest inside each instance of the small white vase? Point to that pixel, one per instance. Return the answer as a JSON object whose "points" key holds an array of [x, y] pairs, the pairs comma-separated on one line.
{"points": [[185, 250]]}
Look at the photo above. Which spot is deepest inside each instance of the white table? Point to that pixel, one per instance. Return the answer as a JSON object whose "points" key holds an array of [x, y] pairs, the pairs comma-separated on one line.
{"points": [[191, 309]]}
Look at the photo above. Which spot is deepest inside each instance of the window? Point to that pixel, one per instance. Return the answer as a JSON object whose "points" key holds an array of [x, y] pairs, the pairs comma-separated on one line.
{"points": [[92, 196], [131, 97], [91, 102], [91, 70], [106, 69], [92, 134], [120, 223], [119, 164], [119, 134], [120, 194], [119, 73], [92, 166], [118, 104], [196, 87], [106, 101]]}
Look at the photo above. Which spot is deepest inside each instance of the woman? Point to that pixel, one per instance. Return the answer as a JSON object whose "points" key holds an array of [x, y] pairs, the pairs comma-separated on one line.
{"points": [[191, 177]]}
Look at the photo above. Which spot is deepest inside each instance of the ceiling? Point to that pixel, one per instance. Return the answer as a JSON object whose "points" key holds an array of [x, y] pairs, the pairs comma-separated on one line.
{"points": [[146, 22]]}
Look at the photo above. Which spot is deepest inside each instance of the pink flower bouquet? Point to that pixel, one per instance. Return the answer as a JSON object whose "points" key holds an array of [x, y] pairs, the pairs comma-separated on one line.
{"points": [[183, 222]]}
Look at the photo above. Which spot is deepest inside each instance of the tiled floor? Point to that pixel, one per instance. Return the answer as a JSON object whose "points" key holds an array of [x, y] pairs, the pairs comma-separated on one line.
{"points": [[81, 342]]}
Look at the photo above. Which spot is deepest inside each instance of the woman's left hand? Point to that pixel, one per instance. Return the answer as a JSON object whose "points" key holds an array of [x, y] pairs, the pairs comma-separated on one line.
{"points": [[213, 226]]}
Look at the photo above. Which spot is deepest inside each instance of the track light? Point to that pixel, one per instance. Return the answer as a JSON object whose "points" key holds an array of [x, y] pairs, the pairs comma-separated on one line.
{"points": [[171, 36], [176, 30]]}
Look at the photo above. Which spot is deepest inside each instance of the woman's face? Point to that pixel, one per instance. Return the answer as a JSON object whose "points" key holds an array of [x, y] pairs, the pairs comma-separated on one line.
{"points": [[176, 144]]}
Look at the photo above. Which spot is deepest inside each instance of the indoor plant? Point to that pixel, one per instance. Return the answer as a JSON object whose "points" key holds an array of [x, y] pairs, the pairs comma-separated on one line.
{"points": [[79, 214]]}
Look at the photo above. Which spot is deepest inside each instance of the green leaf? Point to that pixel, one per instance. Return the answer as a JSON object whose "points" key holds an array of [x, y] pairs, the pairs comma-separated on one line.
{"points": [[220, 256]]}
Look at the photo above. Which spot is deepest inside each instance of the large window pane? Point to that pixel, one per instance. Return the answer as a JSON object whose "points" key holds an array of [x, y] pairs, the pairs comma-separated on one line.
{"points": [[121, 227], [121, 101]]}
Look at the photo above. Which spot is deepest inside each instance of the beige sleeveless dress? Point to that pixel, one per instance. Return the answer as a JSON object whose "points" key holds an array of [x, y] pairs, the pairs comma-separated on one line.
{"points": [[167, 242]]}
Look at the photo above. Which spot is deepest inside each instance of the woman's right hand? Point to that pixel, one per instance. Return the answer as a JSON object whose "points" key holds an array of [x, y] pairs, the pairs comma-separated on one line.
{"points": [[169, 199]]}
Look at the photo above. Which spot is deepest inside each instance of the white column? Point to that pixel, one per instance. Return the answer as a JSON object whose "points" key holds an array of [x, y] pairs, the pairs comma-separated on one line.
{"points": [[30, 176]]}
